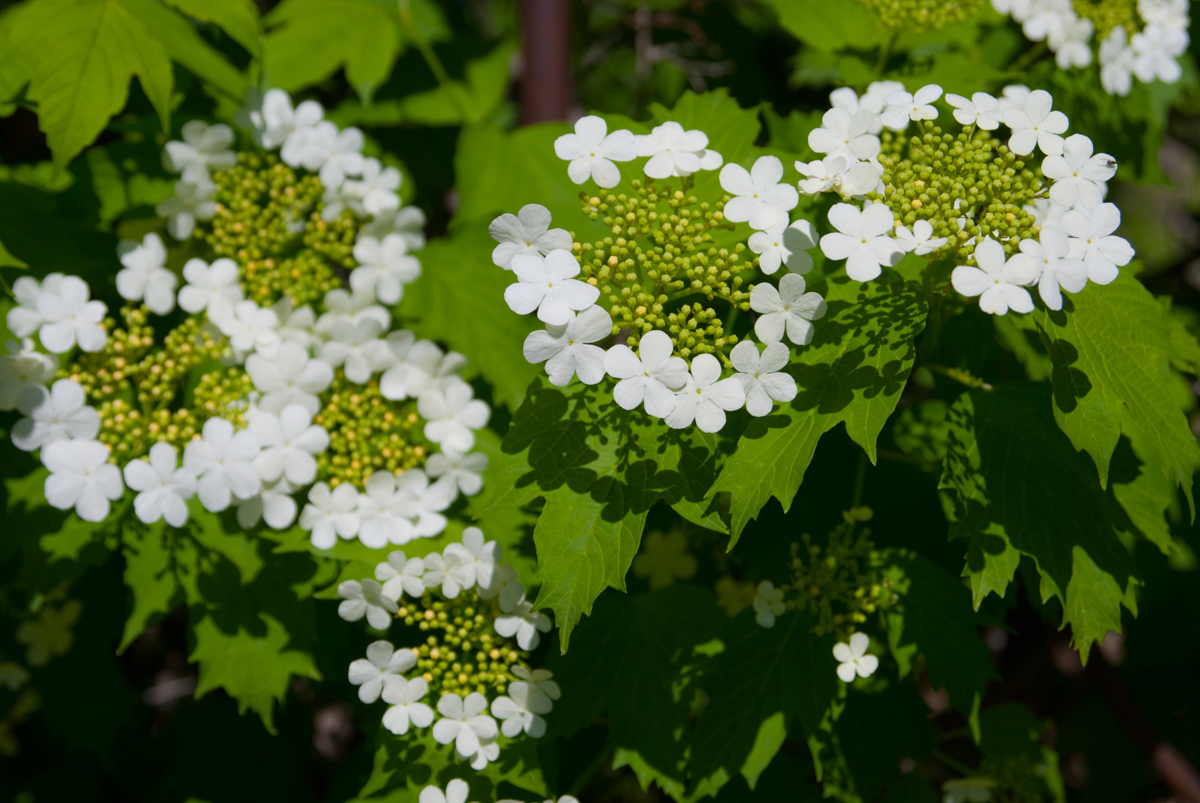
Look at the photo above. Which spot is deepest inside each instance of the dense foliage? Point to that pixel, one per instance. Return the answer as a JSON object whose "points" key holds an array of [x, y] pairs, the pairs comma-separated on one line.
{"points": [[811, 416]]}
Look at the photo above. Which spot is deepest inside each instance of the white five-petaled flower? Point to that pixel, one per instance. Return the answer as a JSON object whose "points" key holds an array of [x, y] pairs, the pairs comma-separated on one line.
{"points": [[652, 375], [69, 317], [705, 397], [980, 109], [1156, 50], [330, 514], [416, 366], [204, 147], [289, 444], [919, 240], [846, 135], [1116, 62], [1034, 125], [336, 155], [903, 107], [355, 345], [862, 239], [475, 560], [845, 177], [768, 603], [566, 349], [761, 377], [456, 792], [365, 599], [540, 684], [163, 487], [998, 281], [248, 326], [383, 666], [24, 319], [758, 197], [145, 276], [384, 266], [591, 151], [506, 586], [463, 471], [464, 722], [527, 232], [439, 571], [289, 377], [406, 708], [853, 658], [21, 368], [428, 501], [192, 201], [1074, 43], [786, 245], [1077, 174], [521, 711], [452, 413], [676, 152], [277, 120], [222, 460], [58, 414], [273, 504], [546, 284], [400, 576], [375, 190], [1093, 241], [212, 287], [384, 512], [82, 478], [524, 623], [1050, 256], [407, 221], [788, 310]]}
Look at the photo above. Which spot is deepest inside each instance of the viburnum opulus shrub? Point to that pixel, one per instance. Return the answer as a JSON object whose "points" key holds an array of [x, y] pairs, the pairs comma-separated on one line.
{"points": [[776, 439]]}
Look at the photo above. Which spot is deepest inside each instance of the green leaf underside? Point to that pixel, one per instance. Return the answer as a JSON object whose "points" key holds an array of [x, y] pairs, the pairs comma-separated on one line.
{"points": [[852, 373], [1017, 487], [1111, 349]]}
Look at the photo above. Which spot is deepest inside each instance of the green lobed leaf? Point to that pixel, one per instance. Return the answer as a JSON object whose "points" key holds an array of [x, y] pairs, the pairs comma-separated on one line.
{"points": [[150, 577], [1111, 350], [238, 18], [184, 45], [852, 373], [831, 26], [1051, 508]]}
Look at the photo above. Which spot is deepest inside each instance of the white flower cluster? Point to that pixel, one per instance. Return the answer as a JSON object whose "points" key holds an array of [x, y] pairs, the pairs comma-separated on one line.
{"points": [[1150, 54], [1076, 243], [458, 790], [472, 566], [290, 356]]}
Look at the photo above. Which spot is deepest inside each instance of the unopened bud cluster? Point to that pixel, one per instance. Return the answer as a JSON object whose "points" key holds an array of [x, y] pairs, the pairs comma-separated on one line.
{"points": [[367, 433], [922, 15]]}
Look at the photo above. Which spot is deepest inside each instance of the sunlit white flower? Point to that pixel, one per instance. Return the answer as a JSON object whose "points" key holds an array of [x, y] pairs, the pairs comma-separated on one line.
{"points": [[768, 604], [383, 667], [23, 319], [427, 502], [58, 414], [355, 345], [278, 120], [213, 288], [456, 792], [652, 375], [853, 658], [488, 752], [384, 266], [330, 514], [376, 188], [273, 504], [439, 572], [1156, 51], [81, 478], [464, 722], [506, 586], [406, 708], [521, 711], [366, 599], [676, 152], [546, 284], [1078, 175], [400, 576], [1116, 62], [204, 147], [788, 310], [919, 240], [289, 444], [1035, 125], [980, 109], [384, 512], [524, 623], [786, 245], [527, 232], [758, 197], [222, 460], [1093, 241], [163, 487], [475, 559], [1049, 255], [249, 327], [335, 154], [452, 414], [998, 281], [903, 107], [21, 368], [1074, 46], [463, 471], [1012, 97], [69, 317], [761, 377], [847, 135], [566, 349], [289, 377], [591, 151], [705, 397], [862, 239], [145, 275], [192, 201], [417, 366]]}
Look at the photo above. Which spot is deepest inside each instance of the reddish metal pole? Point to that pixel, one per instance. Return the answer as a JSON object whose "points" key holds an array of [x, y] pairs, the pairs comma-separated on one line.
{"points": [[546, 77]]}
